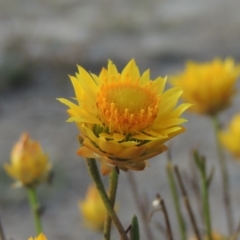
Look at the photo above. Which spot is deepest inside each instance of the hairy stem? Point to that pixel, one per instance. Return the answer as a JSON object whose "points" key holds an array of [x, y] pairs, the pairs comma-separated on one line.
{"points": [[201, 163], [35, 207], [93, 170], [113, 179]]}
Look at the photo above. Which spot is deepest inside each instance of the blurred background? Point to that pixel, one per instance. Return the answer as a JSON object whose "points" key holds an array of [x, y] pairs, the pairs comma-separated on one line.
{"points": [[40, 44]]}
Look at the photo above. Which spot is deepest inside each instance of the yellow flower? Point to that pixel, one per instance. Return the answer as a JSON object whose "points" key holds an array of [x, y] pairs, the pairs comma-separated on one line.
{"points": [[93, 209], [124, 118], [209, 86], [215, 236], [29, 164], [41, 236], [231, 138]]}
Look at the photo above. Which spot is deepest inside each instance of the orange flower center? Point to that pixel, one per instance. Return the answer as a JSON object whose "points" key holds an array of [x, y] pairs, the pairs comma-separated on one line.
{"points": [[127, 107]]}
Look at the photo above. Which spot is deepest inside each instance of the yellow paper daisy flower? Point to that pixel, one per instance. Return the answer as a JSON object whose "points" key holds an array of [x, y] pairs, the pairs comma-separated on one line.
{"points": [[209, 86], [231, 137], [93, 209], [41, 236], [124, 118], [29, 164], [215, 236]]}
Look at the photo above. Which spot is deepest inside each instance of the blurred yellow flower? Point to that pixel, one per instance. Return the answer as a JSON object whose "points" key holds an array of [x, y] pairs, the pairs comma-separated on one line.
{"points": [[41, 236], [231, 137], [215, 236], [124, 118], [29, 164], [93, 209], [209, 86]]}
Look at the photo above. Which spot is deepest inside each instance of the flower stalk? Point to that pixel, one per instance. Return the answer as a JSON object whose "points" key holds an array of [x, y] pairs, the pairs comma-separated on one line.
{"points": [[173, 188], [94, 172], [201, 164], [224, 174], [35, 207], [113, 179]]}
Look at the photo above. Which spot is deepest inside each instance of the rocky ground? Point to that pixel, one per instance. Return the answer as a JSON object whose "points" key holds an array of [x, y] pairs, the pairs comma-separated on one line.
{"points": [[40, 44]]}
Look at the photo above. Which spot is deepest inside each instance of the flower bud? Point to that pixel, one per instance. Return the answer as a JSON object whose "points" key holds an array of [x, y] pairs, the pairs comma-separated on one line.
{"points": [[93, 209], [29, 164]]}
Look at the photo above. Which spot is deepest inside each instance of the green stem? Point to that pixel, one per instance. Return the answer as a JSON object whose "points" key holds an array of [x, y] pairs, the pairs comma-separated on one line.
{"points": [[113, 179], [173, 187], [93, 170], [32, 197], [224, 174], [200, 161]]}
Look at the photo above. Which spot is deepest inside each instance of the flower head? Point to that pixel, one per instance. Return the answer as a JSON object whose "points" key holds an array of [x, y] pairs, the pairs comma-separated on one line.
{"points": [[208, 86], [231, 137], [29, 164], [41, 236], [93, 209], [124, 118]]}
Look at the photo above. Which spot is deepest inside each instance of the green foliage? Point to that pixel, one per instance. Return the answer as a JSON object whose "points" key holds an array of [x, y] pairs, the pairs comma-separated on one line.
{"points": [[135, 235]]}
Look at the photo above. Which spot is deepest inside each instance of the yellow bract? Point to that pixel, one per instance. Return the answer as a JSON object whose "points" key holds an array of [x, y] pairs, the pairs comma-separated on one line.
{"points": [[29, 164], [208, 86], [41, 236], [93, 209], [231, 138], [124, 118]]}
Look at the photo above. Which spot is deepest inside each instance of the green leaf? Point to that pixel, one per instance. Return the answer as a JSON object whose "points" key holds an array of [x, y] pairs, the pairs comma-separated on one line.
{"points": [[135, 235]]}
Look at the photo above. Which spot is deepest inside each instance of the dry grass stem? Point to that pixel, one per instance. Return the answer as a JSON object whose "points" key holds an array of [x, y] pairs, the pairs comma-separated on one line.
{"points": [[187, 204], [166, 218], [141, 205]]}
